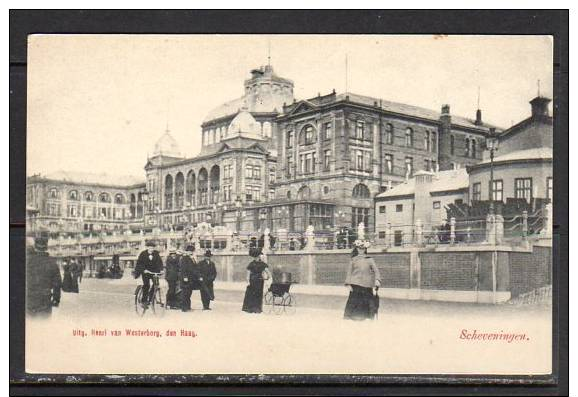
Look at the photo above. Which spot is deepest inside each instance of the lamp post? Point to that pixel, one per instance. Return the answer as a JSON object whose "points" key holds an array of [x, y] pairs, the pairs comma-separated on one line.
{"points": [[492, 146]]}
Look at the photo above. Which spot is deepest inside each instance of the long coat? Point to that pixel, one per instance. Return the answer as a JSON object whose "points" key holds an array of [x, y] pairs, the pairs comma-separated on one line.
{"points": [[362, 272], [43, 283], [190, 272], [172, 268], [209, 274], [151, 262]]}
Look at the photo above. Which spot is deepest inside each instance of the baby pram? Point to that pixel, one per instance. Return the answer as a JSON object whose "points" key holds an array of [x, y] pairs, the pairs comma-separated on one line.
{"points": [[278, 297]]}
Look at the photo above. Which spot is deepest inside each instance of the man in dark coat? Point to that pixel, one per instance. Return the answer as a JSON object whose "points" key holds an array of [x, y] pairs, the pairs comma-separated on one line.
{"points": [[43, 280], [148, 261], [208, 276], [190, 277], [172, 277]]}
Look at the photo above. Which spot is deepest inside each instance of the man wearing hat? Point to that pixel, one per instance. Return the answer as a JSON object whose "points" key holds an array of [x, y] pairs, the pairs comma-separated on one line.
{"points": [[208, 276], [148, 261], [190, 276], [43, 280], [172, 277]]}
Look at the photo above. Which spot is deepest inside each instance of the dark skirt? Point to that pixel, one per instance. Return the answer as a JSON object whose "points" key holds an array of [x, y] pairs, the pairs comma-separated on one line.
{"points": [[358, 306], [253, 302], [69, 282]]}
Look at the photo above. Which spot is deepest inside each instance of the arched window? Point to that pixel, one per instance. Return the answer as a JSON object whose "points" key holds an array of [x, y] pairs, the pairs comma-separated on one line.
{"points": [[389, 134], [169, 192], [203, 186], [119, 199], [215, 177], [190, 190], [304, 193], [104, 198], [467, 154], [473, 148], [361, 191], [53, 194], [408, 137], [132, 205], [266, 129], [179, 190], [88, 196], [73, 195], [308, 135]]}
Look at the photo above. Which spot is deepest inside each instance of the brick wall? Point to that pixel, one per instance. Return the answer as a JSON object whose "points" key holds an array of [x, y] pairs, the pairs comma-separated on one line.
{"points": [[529, 271], [394, 269], [449, 271]]}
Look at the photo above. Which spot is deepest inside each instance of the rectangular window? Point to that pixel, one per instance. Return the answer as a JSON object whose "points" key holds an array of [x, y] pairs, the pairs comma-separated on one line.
{"points": [[458, 201], [389, 164], [289, 166], [381, 235], [549, 188], [399, 208], [328, 131], [452, 144], [256, 172], [359, 129], [434, 142], [398, 238], [227, 193], [389, 134], [436, 205], [409, 166], [523, 188], [248, 171], [426, 142], [326, 160], [434, 166], [290, 139], [497, 191], [382, 209], [426, 165], [359, 160], [477, 191]]}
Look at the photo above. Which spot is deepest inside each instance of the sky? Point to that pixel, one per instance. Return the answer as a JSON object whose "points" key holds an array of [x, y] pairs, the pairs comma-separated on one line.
{"points": [[98, 103]]}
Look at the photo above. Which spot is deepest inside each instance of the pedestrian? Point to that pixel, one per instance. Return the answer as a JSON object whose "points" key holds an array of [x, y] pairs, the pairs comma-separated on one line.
{"points": [[68, 280], [43, 281], [257, 272], [172, 277], [76, 273], [208, 275], [149, 261], [189, 277], [362, 276]]}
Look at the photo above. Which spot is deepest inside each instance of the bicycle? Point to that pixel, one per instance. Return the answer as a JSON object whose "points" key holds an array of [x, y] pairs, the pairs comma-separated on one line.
{"points": [[156, 302]]}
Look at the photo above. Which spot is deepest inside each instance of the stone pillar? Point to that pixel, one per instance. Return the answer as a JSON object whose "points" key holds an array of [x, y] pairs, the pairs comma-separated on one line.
{"points": [[524, 225], [266, 241], [499, 229], [490, 229], [418, 232], [452, 230]]}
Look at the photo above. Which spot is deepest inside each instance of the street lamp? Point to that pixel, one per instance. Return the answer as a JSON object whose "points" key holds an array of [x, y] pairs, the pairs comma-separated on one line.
{"points": [[492, 146], [238, 212]]}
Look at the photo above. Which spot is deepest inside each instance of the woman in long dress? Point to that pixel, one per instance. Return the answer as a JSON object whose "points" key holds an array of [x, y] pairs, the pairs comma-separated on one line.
{"points": [[257, 272], [69, 282], [362, 276]]}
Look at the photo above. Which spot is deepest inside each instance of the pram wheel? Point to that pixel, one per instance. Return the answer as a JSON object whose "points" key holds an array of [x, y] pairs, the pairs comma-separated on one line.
{"points": [[278, 302], [289, 304]]}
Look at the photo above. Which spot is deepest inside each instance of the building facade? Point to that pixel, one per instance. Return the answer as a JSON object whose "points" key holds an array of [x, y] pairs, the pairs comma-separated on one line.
{"points": [[73, 202]]}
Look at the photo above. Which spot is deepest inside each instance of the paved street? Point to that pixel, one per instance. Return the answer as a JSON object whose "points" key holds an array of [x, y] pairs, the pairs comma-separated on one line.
{"points": [[408, 337]]}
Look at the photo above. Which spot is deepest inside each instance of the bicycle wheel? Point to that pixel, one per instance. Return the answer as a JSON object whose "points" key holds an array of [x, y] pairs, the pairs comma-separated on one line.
{"points": [[158, 304], [138, 307], [289, 304]]}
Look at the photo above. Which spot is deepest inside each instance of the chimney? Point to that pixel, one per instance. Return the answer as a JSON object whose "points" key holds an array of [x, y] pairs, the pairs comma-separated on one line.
{"points": [[445, 109], [478, 117], [540, 107]]}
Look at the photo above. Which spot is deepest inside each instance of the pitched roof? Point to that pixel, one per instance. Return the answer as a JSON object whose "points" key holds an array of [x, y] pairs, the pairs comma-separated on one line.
{"points": [[527, 154], [96, 179], [410, 110], [229, 108], [443, 181]]}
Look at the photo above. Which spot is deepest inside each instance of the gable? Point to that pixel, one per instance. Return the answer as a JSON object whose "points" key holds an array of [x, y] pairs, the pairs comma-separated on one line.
{"points": [[302, 107]]}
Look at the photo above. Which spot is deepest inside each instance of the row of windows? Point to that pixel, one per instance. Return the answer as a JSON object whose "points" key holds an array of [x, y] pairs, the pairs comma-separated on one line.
{"points": [[429, 164], [523, 189], [470, 149], [89, 196], [216, 135]]}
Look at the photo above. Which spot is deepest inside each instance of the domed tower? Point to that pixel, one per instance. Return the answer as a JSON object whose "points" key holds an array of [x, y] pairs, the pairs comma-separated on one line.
{"points": [[266, 92]]}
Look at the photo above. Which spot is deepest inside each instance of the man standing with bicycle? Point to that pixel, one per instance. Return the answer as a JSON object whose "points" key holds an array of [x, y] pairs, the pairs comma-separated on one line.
{"points": [[148, 261]]}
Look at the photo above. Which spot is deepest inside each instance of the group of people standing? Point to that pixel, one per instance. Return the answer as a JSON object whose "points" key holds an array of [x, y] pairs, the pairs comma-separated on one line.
{"points": [[184, 274], [72, 276]]}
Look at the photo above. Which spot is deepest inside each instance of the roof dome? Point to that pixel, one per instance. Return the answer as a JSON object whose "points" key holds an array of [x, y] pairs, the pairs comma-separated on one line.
{"points": [[244, 122], [167, 146]]}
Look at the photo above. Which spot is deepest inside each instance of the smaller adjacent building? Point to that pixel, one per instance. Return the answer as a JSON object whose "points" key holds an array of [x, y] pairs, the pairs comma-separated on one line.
{"points": [[423, 198]]}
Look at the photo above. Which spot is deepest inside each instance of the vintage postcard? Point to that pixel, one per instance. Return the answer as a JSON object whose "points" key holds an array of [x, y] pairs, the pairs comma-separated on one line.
{"points": [[289, 204]]}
